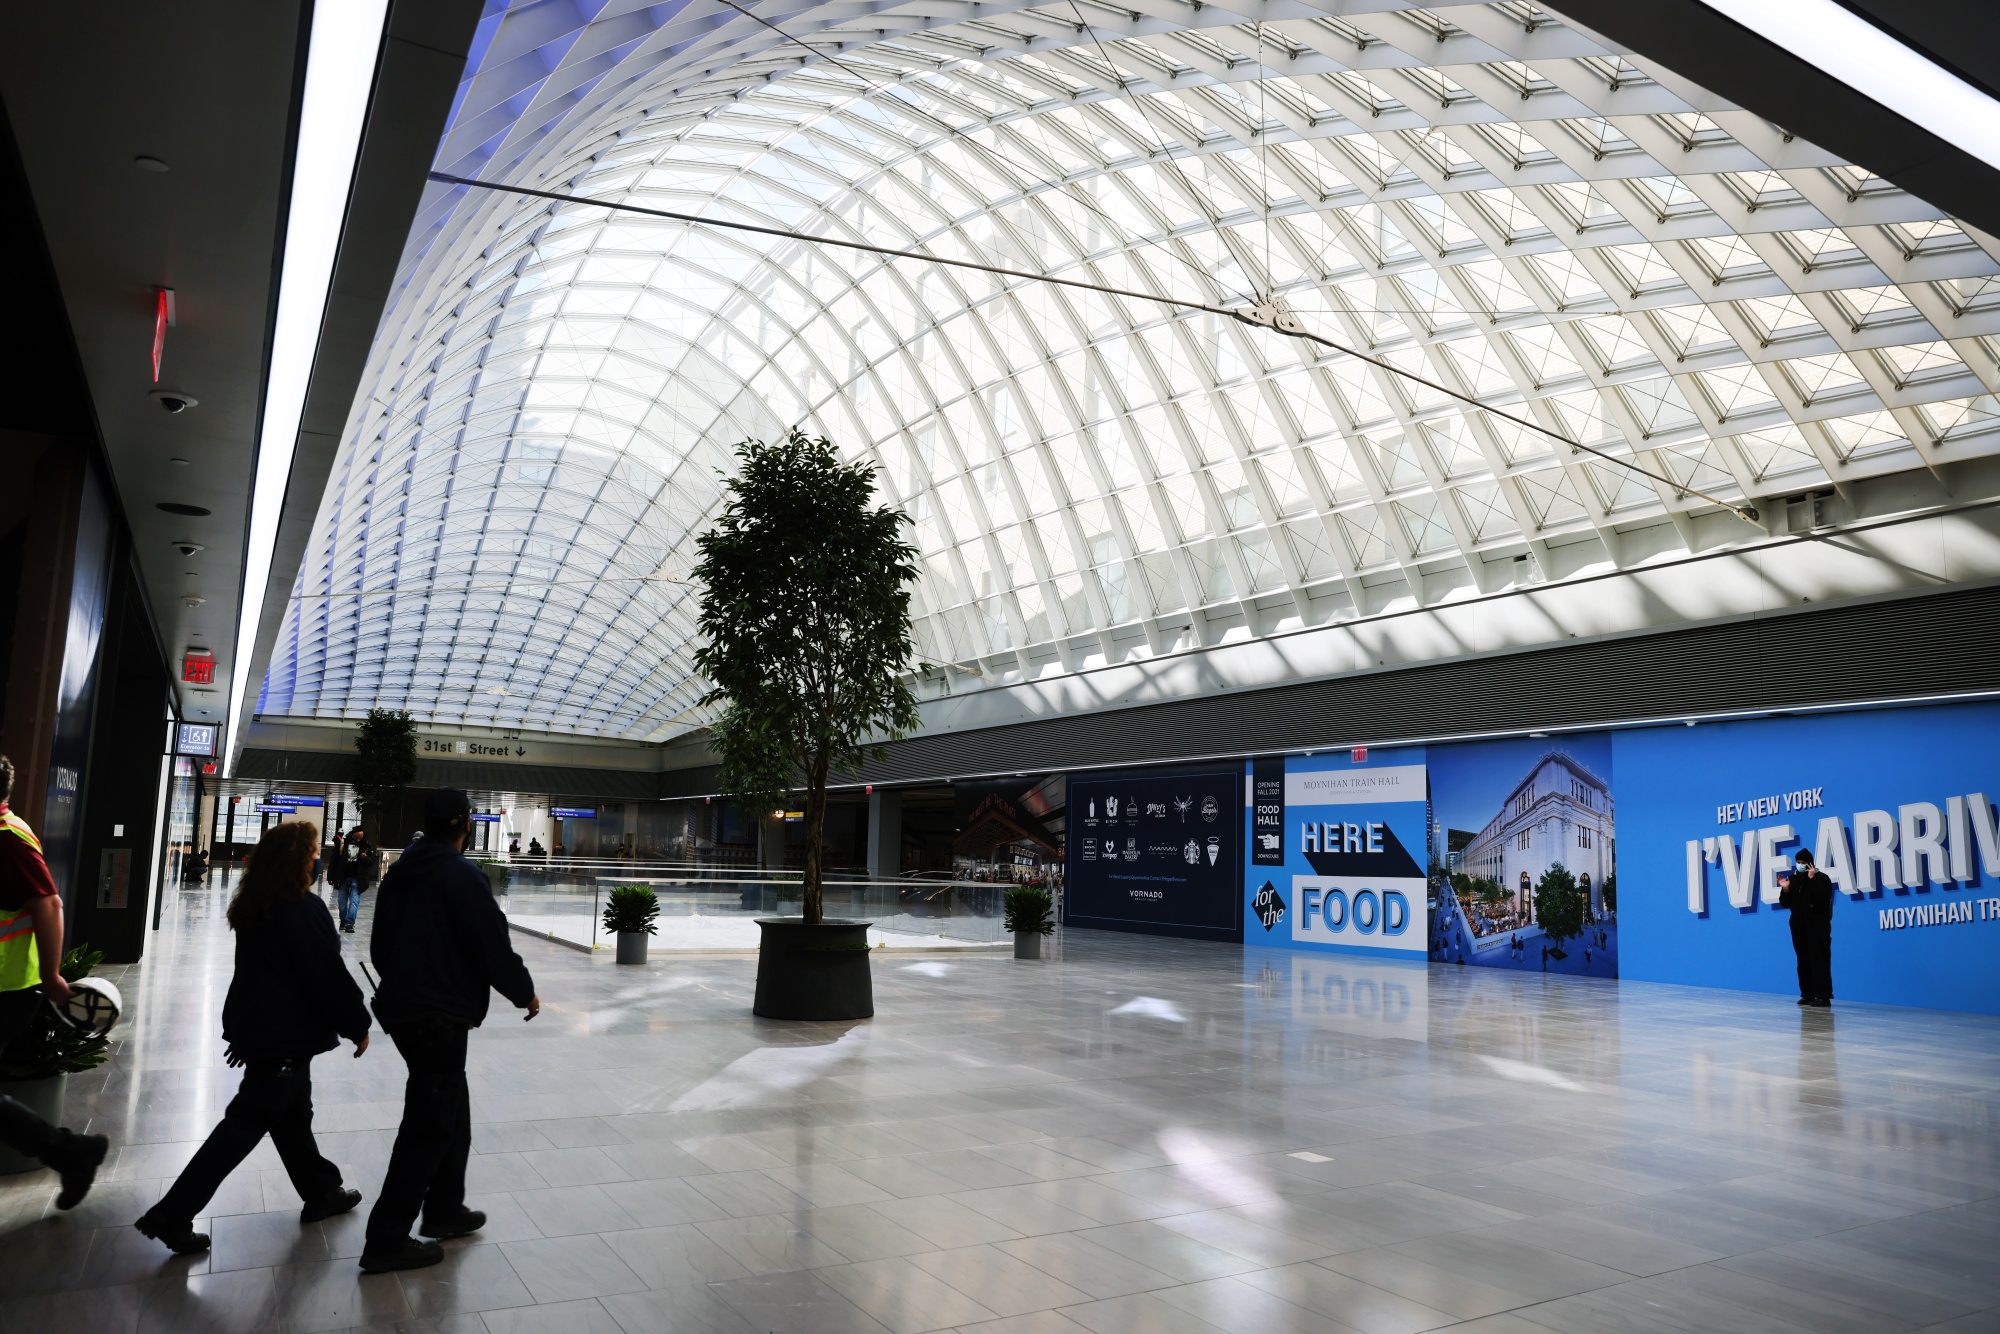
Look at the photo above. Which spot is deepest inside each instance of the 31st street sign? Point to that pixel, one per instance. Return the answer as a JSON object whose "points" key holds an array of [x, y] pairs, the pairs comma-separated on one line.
{"points": [[473, 748]]}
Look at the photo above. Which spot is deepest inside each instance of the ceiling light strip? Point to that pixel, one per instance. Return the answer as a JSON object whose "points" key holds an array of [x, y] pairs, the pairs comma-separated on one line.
{"points": [[340, 73], [1839, 42], [1266, 316]]}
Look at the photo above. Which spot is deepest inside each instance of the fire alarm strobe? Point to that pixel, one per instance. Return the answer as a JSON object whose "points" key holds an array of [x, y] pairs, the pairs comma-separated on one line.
{"points": [[198, 666]]}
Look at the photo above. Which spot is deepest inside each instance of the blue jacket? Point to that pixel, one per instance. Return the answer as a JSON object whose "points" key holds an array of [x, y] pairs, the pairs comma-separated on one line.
{"points": [[292, 995], [440, 941]]}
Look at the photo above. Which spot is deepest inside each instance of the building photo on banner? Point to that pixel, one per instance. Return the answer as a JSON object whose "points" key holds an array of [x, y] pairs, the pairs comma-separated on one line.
{"points": [[1335, 847], [1895, 807], [1523, 869]]}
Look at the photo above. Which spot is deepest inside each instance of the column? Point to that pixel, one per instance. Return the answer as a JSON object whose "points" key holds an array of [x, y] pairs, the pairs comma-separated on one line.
{"points": [[885, 835]]}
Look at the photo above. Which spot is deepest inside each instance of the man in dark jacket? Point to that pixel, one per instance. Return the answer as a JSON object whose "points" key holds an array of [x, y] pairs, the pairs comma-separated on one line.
{"points": [[440, 944], [1809, 895]]}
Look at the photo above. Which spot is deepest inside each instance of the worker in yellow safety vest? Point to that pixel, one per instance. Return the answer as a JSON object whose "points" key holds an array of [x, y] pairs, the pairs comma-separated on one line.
{"points": [[31, 934]]}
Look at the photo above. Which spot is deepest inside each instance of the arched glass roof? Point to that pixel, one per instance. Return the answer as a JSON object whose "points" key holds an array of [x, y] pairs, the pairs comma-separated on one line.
{"points": [[1477, 194]]}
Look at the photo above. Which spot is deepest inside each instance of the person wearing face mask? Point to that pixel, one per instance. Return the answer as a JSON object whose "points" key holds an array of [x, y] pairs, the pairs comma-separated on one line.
{"points": [[1808, 895]]}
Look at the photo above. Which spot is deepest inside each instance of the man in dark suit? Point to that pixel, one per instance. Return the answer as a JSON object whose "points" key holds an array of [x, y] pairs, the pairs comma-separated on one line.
{"points": [[1808, 894]]}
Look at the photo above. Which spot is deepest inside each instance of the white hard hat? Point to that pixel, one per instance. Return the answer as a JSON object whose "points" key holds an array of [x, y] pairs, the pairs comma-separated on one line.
{"points": [[93, 1005]]}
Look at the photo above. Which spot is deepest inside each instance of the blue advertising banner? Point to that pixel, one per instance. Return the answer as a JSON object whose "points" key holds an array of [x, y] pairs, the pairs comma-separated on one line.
{"points": [[1336, 849], [1524, 855], [1896, 807], [1156, 851]]}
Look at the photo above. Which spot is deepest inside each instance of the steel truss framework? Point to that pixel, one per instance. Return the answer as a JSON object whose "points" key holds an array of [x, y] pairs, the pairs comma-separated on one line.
{"points": [[1480, 194]]}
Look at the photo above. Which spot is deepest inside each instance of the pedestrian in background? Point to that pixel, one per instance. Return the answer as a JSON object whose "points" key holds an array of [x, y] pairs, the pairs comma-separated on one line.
{"points": [[291, 999], [361, 866], [1808, 895], [339, 871], [440, 944]]}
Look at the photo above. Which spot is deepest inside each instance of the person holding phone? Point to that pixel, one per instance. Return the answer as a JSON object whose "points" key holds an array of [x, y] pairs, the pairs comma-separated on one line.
{"points": [[1808, 895]]}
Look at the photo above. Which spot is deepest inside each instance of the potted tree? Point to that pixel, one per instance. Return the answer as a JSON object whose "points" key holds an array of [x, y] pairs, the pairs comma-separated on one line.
{"points": [[629, 915], [1030, 915], [385, 764], [41, 1060], [805, 617]]}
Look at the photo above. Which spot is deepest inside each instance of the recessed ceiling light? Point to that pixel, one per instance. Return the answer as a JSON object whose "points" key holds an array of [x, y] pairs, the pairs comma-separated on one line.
{"points": [[175, 507], [193, 599], [180, 462], [152, 164]]}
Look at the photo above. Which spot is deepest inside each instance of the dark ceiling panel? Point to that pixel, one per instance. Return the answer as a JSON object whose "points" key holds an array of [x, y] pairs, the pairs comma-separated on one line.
{"points": [[1859, 652], [1728, 59]]}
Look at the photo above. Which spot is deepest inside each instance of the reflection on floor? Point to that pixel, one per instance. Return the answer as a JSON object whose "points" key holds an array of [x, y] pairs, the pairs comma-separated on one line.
{"points": [[1133, 1135]]}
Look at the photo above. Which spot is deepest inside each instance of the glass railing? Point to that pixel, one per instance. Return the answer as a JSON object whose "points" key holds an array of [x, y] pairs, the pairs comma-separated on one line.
{"points": [[715, 908]]}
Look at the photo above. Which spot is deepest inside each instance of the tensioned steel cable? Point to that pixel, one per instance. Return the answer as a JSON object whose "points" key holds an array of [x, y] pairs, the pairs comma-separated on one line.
{"points": [[1266, 316]]}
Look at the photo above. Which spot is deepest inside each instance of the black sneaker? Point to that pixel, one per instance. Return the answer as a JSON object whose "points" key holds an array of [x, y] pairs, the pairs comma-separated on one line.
{"points": [[412, 1254], [178, 1237], [467, 1222], [77, 1158], [1805, 1000], [337, 1201]]}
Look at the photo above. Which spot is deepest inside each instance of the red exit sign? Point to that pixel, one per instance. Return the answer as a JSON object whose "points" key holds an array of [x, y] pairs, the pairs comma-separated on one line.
{"points": [[198, 666]]}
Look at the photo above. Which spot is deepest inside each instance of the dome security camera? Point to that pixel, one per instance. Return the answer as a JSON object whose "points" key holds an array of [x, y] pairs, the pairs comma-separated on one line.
{"points": [[189, 548], [173, 400]]}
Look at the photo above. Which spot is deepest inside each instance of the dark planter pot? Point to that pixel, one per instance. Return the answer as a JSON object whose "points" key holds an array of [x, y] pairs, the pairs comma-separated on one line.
{"points": [[44, 1097], [632, 946], [1027, 944], [813, 972]]}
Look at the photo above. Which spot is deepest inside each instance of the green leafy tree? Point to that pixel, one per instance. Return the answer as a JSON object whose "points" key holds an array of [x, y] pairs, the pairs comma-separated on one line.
{"points": [[1559, 904], [1609, 891], [385, 764], [805, 616]]}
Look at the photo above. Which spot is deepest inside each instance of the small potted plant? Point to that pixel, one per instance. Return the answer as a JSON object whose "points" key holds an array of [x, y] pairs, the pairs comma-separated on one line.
{"points": [[48, 1051], [629, 916], [1030, 915]]}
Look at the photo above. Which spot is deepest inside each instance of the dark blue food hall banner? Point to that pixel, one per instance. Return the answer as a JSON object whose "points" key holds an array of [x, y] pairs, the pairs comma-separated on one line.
{"points": [[1157, 851]]}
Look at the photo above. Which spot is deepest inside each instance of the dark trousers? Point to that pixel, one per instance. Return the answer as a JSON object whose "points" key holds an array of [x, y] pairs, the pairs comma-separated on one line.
{"points": [[1812, 942], [427, 1166], [274, 1099], [21, 1129]]}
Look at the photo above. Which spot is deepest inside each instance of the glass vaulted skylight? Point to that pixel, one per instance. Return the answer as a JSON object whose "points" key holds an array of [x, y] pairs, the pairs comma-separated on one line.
{"points": [[1476, 194]]}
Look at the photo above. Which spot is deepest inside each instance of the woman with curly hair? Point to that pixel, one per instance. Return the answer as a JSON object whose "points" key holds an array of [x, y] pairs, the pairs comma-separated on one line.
{"points": [[291, 999]]}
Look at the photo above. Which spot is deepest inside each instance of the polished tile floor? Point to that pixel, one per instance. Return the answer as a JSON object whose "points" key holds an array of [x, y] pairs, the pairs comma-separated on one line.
{"points": [[1134, 1135]]}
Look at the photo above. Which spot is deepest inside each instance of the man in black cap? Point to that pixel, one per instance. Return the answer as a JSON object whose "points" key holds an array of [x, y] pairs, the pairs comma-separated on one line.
{"points": [[1808, 894], [440, 943]]}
